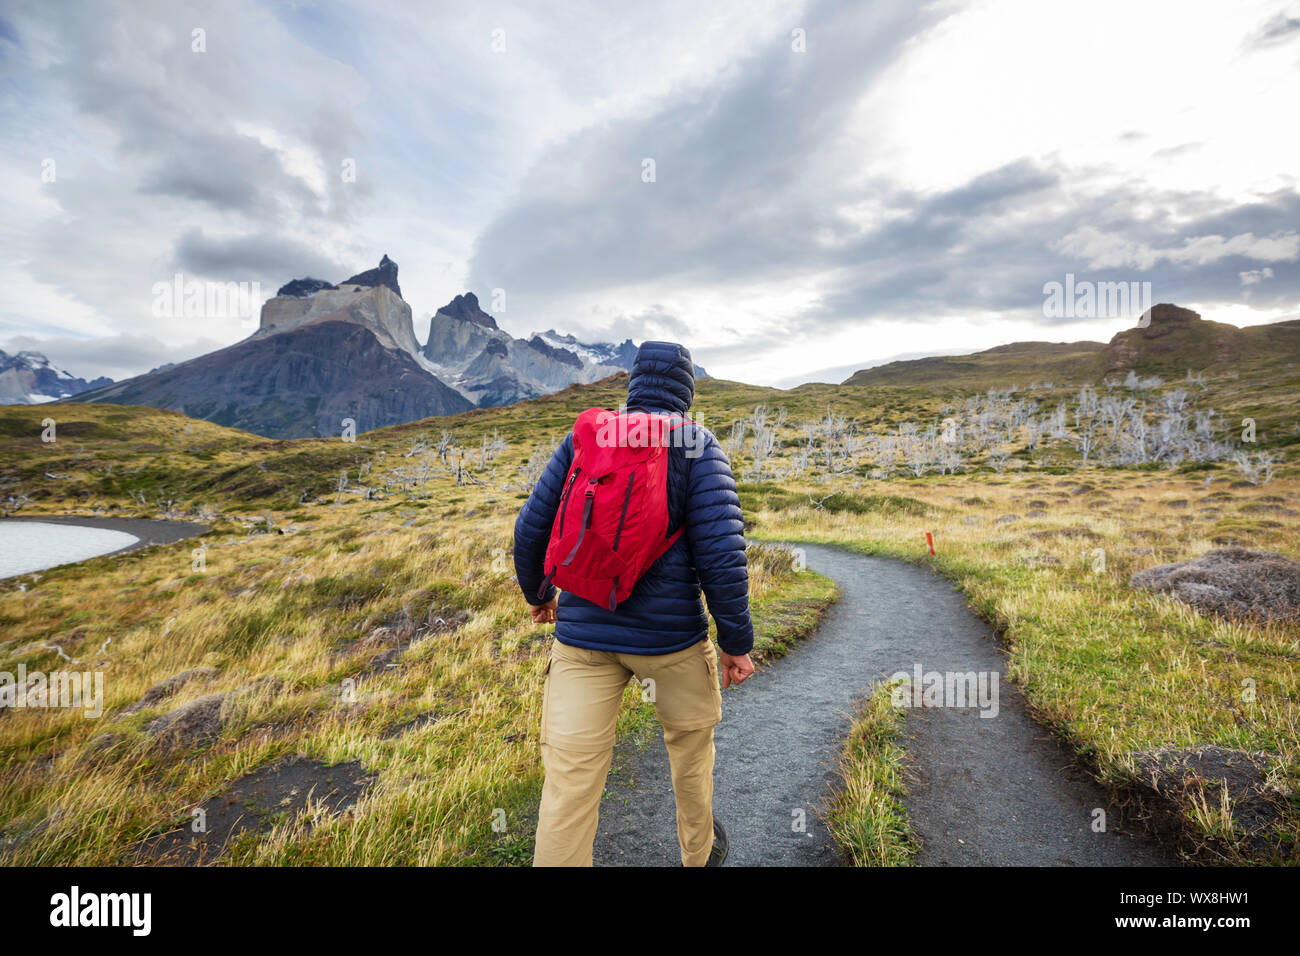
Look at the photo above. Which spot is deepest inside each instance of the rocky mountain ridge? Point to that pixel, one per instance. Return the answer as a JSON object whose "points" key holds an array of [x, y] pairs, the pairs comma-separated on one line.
{"points": [[323, 352], [28, 378]]}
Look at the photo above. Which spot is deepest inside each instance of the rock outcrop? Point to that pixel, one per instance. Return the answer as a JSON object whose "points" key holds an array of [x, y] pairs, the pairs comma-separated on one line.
{"points": [[191, 725], [384, 274], [374, 307], [466, 309], [1238, 583], [302, 288], [1170, 339], [164, 689]]}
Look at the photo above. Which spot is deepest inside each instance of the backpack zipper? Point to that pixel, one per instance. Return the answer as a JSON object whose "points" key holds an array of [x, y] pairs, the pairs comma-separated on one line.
{"points": [[627, 497], [565, 500]]}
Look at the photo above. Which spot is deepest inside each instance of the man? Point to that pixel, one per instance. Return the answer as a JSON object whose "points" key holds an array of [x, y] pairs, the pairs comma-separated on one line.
{"points": [[659, 634]]}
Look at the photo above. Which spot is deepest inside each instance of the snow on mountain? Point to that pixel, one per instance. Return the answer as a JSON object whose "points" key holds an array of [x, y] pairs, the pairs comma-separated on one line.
{"points": [[28, 378]]}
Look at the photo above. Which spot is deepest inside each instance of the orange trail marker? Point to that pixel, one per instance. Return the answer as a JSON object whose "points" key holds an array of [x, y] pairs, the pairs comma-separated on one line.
{"points": [[929, 539]]}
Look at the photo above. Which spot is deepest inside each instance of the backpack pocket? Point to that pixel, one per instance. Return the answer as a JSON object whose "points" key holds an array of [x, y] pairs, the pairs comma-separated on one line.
{"points": [[596, 573]]}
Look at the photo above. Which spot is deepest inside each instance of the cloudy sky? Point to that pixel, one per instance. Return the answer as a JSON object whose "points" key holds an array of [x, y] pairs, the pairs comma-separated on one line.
{"points": [[834, 184]]}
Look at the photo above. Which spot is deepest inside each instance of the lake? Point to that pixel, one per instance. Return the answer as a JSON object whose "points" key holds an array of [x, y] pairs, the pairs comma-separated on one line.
{"points": [[27, 546]]}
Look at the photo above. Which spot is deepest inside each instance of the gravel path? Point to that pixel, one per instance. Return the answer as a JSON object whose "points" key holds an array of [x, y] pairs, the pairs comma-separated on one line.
{"points": [[982, 791]]}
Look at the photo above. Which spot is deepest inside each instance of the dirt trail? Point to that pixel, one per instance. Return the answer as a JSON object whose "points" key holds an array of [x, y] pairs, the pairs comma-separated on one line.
{"points": [[982, 791]]}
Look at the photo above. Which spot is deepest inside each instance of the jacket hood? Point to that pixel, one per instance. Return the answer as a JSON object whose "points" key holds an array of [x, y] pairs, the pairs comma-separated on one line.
{"points": [[663, 376]]}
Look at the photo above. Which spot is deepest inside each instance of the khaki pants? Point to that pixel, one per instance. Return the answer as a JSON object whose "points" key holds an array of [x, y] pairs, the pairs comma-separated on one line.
{"points": [[584, 691]]}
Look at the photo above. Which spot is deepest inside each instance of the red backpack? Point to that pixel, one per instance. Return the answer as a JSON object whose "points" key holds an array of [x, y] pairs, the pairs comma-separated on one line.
{"points": [[612, 523]]}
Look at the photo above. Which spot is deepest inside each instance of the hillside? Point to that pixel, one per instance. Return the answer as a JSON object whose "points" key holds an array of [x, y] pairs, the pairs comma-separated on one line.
{"points": [[1022, 362], [295, 384], [1179, 339], [106, 451], [1176, 341]]}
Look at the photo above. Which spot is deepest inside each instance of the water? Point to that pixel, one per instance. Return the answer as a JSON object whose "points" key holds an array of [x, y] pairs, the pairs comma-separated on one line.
{"points": [[27, 546]]}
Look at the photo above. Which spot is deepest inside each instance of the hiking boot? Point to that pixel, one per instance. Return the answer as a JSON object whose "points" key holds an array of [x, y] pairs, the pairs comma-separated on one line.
{"points": [[719, 852]]}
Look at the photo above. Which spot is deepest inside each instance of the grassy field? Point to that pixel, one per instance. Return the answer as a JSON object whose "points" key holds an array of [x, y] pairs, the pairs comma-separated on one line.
{"points": [[388, 632], [354, 602]]}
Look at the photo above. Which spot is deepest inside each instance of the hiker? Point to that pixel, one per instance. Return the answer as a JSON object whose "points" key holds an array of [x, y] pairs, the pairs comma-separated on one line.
{"points": [[654, 629]]}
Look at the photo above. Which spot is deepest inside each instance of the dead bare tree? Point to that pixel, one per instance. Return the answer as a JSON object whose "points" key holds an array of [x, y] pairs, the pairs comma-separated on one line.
{"points": [[423, 471], [1115, 411], [463, 475], [764, 440], [839, 442], [14, 503], [490, 447], [1256, 468], [736, 441], [531, 470], [1087, 418]]}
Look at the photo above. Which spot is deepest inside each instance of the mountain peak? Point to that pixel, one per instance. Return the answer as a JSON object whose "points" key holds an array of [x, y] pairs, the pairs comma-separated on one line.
{"points": [[466, 308], [554, 352], [311, 301], [384, 274], [304, 288], [29, 378]]}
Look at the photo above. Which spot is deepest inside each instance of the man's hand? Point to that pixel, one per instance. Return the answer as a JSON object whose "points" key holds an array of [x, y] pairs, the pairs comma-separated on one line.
{"points": [[545, 613], [735, 669]]}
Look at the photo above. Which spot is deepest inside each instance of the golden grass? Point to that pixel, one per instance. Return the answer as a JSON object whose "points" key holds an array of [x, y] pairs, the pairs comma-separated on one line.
{"points": [[283, 619]]}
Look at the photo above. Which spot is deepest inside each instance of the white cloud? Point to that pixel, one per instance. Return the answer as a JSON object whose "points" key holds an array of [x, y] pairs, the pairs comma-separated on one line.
{"points": [[1103, 250]]}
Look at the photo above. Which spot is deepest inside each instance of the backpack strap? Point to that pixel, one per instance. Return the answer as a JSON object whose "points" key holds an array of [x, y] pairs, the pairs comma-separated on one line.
{"points": [[582, 528], [582, 533], [668, 542]]}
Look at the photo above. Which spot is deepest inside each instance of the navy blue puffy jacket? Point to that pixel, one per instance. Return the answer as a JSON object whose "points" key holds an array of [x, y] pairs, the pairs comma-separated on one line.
{"points": [[664, 612]]}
